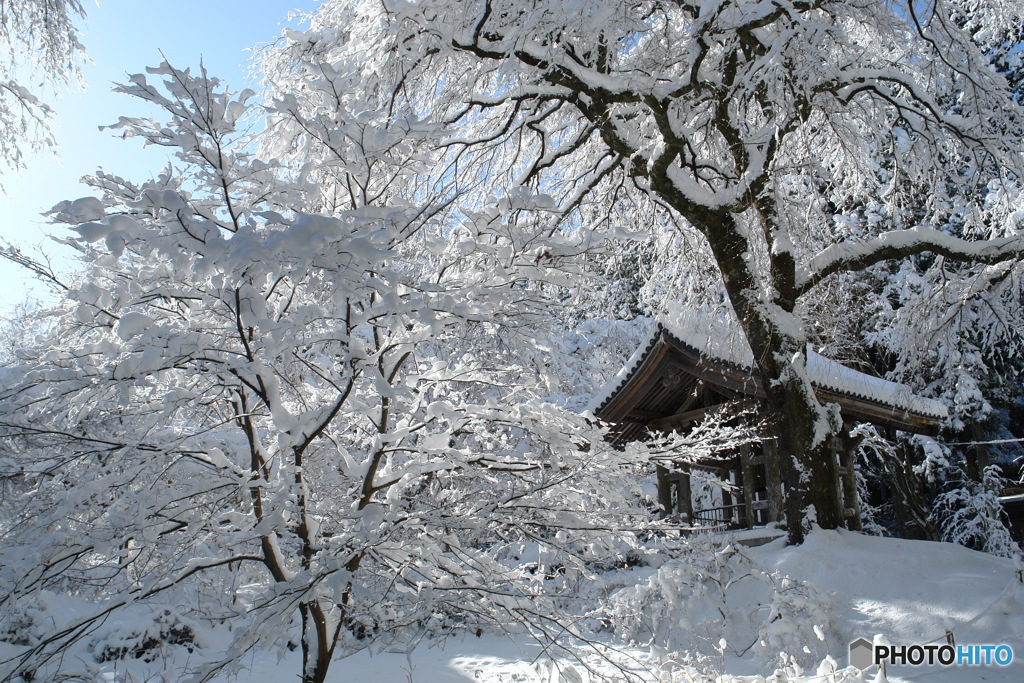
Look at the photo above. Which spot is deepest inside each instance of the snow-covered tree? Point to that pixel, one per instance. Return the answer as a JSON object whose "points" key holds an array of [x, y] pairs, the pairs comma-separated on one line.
{"points": [[972, 515], [38, 39], [288, 393], [791, 142]]}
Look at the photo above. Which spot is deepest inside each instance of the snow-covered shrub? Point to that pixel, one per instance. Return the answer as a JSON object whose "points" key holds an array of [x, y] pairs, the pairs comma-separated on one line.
{"points": [[22, 625], [827, 670], [146, 638], [25, 622], [712, 600], [972, 516]]}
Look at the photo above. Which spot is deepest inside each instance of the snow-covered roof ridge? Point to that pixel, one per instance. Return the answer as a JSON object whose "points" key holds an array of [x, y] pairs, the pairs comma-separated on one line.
{"points": [[715, 338], [717, 341], [613, 385], [828, 374]]}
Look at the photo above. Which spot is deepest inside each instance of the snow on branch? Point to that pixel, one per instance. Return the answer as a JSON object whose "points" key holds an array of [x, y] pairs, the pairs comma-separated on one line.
{"points": [[716, 437], [898, 244]]}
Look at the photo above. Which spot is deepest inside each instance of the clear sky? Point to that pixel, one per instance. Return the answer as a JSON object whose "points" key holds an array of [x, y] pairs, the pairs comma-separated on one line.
{"points": [[123, 37]]}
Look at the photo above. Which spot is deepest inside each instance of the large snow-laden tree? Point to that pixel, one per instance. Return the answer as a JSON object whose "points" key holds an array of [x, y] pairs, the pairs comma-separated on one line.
{"points": [[38, 40], [273, 398], [799, 140]]}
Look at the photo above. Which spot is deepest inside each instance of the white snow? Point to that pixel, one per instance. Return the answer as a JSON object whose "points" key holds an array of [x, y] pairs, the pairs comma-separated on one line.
{"points": [[882, 589], [912, 592], [132, 324], [828, 373]]}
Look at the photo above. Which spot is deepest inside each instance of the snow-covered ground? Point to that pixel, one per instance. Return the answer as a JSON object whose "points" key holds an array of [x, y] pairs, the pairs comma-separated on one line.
{"points": [[912, 592], [907, 592]]}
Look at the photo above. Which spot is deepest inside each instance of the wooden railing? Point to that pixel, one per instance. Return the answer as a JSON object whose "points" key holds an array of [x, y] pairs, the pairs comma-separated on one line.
{"points": [[720, 518]]}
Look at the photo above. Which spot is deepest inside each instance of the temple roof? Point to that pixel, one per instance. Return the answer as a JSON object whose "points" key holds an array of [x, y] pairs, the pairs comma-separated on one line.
{"points": [[676, 363]]}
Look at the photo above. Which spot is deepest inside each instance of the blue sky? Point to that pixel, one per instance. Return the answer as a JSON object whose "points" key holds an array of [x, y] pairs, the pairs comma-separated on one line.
{"points": [[123, 37]]}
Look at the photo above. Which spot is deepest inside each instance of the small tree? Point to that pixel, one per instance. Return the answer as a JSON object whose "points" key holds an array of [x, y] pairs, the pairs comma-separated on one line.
{"points": [[970, 514], [263, 403]]}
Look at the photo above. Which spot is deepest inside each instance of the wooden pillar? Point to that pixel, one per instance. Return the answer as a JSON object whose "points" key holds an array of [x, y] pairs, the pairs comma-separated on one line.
{"points": [[848, 477], [836, 453], [681, 503], [773, 477], [664, 491], [747, 470], [685, 498], [976, 455]]}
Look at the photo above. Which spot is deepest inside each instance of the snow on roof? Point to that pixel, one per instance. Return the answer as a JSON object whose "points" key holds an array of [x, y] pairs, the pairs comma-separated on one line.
{"points": [[713, 336], [718, 339], [828, 374], [606, 392]]}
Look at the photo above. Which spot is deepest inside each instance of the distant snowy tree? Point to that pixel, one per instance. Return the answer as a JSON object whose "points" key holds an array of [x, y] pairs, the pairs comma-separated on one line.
{"points": [[790, 143], [38, 40], [290, 393], [972, 515]]}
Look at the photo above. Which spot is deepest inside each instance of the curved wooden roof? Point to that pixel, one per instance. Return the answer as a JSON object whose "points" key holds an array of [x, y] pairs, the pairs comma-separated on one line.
{"points": [[658, 389]]}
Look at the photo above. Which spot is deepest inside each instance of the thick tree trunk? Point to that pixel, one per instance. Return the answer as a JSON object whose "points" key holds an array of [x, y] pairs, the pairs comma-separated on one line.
{"points": [[803, 428], [764, 302], [808, 462]]}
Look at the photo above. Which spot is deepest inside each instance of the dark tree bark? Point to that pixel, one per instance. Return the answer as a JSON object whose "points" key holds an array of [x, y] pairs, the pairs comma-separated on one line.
{"points": [[909, 504]]}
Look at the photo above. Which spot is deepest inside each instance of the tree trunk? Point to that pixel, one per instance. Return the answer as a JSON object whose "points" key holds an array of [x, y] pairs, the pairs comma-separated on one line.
{"points": [[317, 645], [809, 468], [804, 430], [976, 455], [911, 510]]}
